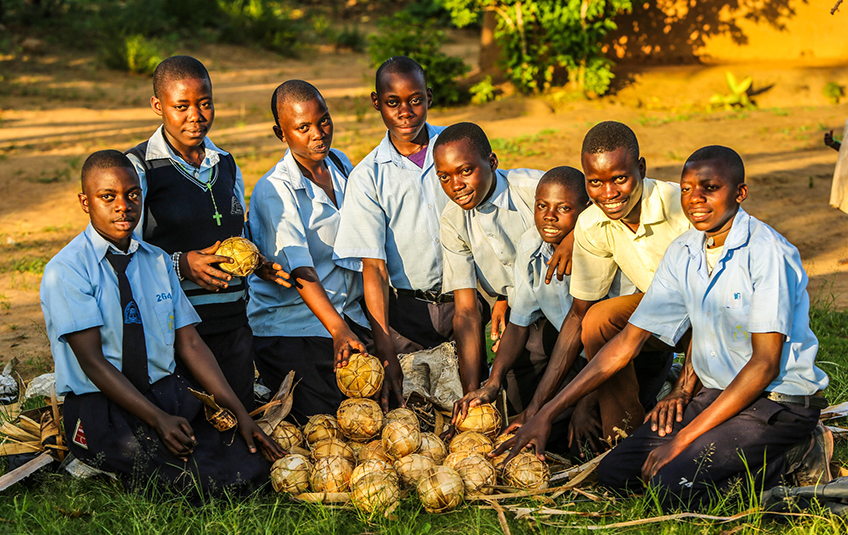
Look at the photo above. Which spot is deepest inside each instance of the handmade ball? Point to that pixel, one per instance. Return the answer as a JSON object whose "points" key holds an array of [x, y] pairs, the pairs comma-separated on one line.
{"points": [[291, 474], [287, 435], [410, 468], [330, 447], [245, 256], [373, 450], [371, 465], [471, 441], [433, 447], [453, 458], [498, 461], [402, 413], [362, 377], [331, 474], [376, 491], [400, 439], [477, 474], [526, 471], [484, 419], [360, 419], [319, 427], [440, 489]]}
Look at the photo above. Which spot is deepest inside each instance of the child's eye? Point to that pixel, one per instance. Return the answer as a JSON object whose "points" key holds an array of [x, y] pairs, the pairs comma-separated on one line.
{"points": [[392, 103], [467, 171], [181, 107], [564, 209], [443, 178], [621, 179], [540, 206], [205, 105], [134, 196], [416, 101], [108, 197]]}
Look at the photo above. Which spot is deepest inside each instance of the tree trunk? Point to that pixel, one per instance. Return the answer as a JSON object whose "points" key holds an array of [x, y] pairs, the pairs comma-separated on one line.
{"points": [[489, 49]]}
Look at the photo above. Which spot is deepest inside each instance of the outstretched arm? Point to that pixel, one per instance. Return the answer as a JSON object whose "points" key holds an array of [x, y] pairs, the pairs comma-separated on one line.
{"points": [[467, 328], [375, 280]]}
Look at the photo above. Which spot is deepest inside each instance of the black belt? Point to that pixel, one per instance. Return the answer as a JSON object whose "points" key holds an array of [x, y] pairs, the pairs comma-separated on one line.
{"points": [[429, 296], [808, 402]]}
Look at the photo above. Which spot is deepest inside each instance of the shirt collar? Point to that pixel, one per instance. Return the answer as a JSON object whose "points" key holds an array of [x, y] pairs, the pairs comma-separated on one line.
{"points": [[738, 236], [293, 175], [500, 197], [158, 149], [102, 245], [544, 251], [386, 152]]}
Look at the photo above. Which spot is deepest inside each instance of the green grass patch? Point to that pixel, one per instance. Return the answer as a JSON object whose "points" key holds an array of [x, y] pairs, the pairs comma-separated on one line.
{"points": [[24, 265]]}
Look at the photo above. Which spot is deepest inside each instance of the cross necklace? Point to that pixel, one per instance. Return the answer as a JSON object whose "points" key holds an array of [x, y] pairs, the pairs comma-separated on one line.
{"points": [[217, 216]]}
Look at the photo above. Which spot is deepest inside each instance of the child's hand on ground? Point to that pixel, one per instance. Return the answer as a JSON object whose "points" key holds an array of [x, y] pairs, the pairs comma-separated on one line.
{"points": [[667, 411], [198, 267], [533, 433], [485, 394], [585, 425], [272, 272], [253, 435], [176, 434], [498, 322], [392, 383], [560, 261], [344, 345], [522, 418]]}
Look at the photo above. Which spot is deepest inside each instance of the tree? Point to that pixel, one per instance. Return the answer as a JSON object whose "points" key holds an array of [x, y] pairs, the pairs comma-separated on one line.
{"points": [[543, 41]]}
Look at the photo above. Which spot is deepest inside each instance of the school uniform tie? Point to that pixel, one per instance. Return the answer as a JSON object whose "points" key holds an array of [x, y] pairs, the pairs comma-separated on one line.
{"points": [[134, 349]]}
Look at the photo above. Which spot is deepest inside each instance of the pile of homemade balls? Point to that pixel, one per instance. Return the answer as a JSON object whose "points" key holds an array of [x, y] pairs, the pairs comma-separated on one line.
{"points": [[374, 456]]}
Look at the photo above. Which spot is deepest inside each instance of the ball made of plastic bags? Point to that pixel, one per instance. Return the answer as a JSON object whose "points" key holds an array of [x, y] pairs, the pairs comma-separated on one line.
{"points": [[244, 255], [362, 377]]}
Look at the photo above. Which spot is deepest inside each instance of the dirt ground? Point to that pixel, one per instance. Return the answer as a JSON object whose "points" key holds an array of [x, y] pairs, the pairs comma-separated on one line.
{"points": [[58, 107]]}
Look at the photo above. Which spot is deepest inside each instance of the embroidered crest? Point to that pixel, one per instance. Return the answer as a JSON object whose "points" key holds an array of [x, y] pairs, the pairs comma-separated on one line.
{"points": [[79, 436], [739, 333], [131, 314], [235, 207]]}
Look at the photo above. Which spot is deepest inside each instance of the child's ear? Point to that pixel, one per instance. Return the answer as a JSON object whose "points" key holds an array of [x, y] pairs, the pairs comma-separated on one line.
{"points": [[279, 133], [156, 104], [429, 97], [375, 100], [741, 193], [643, 167], [493, 161], [83, 200]]}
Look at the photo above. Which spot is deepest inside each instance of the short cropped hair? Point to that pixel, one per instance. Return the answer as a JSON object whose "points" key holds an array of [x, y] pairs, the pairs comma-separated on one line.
{"points": [[104, 159], [399, 65], [609, 136], [726, 156], [570, 179], [292, 91], [177, 68], [469, 132]]}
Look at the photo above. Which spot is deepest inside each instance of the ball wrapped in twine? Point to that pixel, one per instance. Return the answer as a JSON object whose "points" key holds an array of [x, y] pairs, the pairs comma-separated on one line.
{"points": [[371, 465], [331, 474], [498, 461], [484, 419], [402, 413], [290, 474], [245, 256], [477, 474], [360, 419], [471, 441], [362, 377], [526, 471], [440, 489], [376, 491], [356, 447], [333, 447], [410, 468], [433, 447], [319, 427], [400, 439], [373, 450], [453, 458], [287, 435]]}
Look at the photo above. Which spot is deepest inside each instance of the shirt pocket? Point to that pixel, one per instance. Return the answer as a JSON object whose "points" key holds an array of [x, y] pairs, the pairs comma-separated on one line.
{"points": [[737, 311], [165, 317]]}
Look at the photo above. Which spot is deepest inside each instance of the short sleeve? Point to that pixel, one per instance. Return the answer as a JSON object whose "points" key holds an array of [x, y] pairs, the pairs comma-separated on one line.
{"points": [[68, 299], [282, 236], [775, 275], [525, 307], [362, 229], [593, 267], [458, 260], [663, 309]]}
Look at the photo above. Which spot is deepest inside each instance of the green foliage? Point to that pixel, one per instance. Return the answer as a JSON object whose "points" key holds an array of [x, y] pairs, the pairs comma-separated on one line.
{"points": [[483, 91], [542, 40], [738, 97], [268, 23], [832, 92], [351, 39], [403, 35], [134, 53]]}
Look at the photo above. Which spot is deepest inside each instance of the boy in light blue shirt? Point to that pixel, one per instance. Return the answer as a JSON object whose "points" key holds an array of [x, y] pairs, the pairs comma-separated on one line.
{"points": [[295, 212]]}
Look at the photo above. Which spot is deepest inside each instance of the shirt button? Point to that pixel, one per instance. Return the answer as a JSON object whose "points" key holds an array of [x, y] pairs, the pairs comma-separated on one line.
{"points": [[437, 240], [708, 314], [430, 206], [491, 235], [712, 353]]}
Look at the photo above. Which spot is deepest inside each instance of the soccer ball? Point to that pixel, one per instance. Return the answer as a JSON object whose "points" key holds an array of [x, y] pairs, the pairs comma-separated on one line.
{"points": [[526, 471], [400, 439], [362, 377], [331, 474], [471, 441], [411, 467], [287, 435], [440, 489], [484, 419], [477, 474], [360, 418], [245, 256], [291, 474], [319, 427], [375, 491], [433, 447]]}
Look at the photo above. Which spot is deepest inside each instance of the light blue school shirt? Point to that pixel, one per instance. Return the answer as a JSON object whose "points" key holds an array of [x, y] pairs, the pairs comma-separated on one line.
{"points": [[158, 149], [481, 244], [79, 290], [294, 223], [391, 213], [757, 286]]}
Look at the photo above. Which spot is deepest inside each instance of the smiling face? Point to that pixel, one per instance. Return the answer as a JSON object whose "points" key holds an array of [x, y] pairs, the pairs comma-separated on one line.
{"points": [[112, 199], [556, 211], [467, 178], [403, 101], [710, 198], [614, 183], [187, 112], [307, 128]]}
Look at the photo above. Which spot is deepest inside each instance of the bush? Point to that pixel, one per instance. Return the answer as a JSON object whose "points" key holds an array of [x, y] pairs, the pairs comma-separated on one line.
{"points": [[267, 23], [483, 91], [350, 39], [832, 92], [134, 53], [403, 35]]}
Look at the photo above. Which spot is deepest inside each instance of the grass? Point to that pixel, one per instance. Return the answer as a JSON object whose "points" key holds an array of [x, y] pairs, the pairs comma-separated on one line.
{"points": [[53, 503]]}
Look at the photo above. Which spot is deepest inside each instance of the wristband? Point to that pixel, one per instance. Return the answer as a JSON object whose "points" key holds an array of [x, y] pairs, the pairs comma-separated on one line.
{"points": [[175, 259]]}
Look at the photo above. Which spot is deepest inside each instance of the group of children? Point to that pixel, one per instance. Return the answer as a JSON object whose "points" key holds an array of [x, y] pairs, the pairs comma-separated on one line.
{"points": [[394, 255]]}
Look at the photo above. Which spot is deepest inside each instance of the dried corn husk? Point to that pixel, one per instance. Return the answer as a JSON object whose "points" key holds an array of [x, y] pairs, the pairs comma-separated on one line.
{"points": [[245, 256], [453, 458], [221, 419], [433, 447], [497, 461], [360, 419], [373, 450], [376, 491], [319, 427], [402, 413], [330, 447], [471, 441], [440, 489], [400, 439], [362, 377], [287, 435], [331, 474], [290, 474], [371, 465], [477, 474], [484, 419], [410, 468], [526, 471]]}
